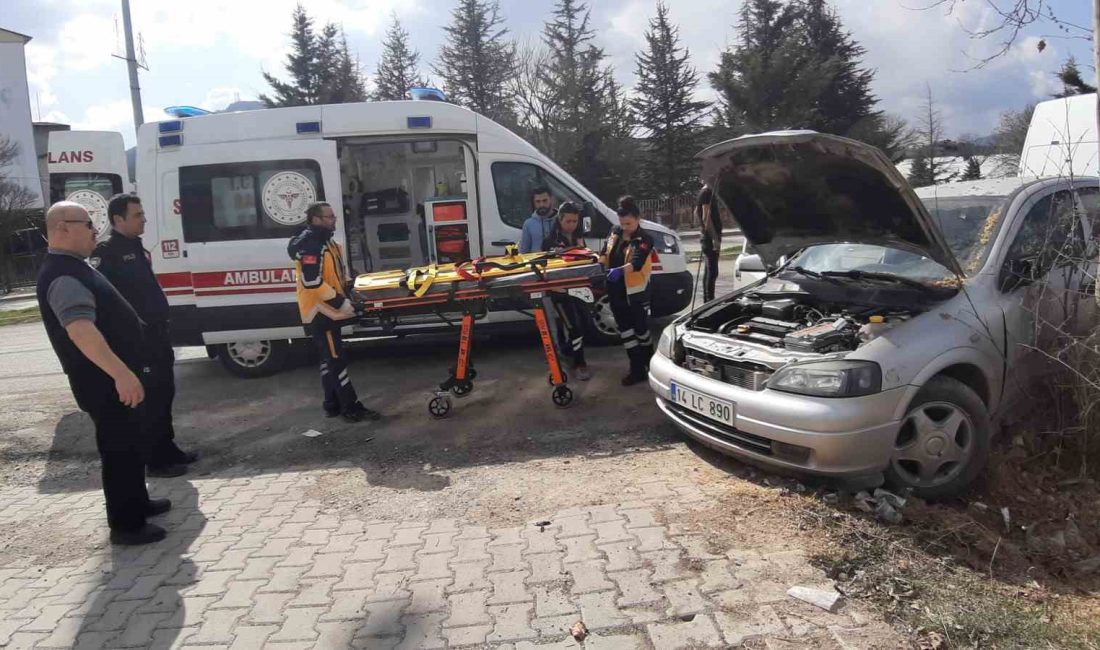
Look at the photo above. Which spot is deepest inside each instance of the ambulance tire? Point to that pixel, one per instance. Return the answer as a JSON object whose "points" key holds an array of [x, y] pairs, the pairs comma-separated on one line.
{"points": [[254, 359], [601, 329]]}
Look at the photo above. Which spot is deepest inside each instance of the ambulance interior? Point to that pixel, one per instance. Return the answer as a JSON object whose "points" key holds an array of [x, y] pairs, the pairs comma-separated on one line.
{"points": [[389, 190]]}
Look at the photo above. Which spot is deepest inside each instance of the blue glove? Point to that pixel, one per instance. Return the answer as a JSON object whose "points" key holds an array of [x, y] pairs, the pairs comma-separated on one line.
{"points": [[615, 274]]}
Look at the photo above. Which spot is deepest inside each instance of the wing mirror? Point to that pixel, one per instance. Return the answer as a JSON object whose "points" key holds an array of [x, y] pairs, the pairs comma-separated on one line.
{"points": [[1015, 274], [750, 264], [587, 210]]}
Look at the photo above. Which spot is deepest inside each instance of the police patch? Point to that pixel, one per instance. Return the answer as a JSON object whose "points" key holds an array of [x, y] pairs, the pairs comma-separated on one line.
{"points": [[93, 262]]}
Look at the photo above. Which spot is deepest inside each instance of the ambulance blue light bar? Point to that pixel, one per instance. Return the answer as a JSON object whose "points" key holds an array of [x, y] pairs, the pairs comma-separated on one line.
{"points": [[186, 111], [308, 127], [172, 126], [421, 122], [427, 95], [171, 140]]}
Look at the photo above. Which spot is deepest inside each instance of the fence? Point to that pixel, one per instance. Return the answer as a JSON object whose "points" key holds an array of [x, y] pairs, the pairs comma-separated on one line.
{"points": [[678, 213]]}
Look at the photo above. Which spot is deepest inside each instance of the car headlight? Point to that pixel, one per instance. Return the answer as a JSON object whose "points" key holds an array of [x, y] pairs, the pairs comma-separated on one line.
{"points": [[666, 345], [671, 244], [829, 378]]}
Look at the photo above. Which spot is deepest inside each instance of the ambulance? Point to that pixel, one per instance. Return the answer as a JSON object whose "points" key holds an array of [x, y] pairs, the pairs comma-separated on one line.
{"points": [[88, 167], [412, 183], [1061, 139]]}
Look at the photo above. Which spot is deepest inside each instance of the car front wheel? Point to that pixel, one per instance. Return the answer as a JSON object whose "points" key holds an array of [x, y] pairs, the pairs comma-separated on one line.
{"points": [[943, 442]]}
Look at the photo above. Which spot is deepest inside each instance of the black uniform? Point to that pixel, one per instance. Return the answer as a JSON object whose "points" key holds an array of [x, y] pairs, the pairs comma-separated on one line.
{"points": [[573, 313], [707, 242], [629, 296], [124, 262], [118, 428]]}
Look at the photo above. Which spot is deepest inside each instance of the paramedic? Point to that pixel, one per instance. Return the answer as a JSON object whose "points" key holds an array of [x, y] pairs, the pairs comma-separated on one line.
{"points": [[628, 256], [325, 308], [537, 227], [97, 337], [564, 234], [123, 261], [711, 241]]}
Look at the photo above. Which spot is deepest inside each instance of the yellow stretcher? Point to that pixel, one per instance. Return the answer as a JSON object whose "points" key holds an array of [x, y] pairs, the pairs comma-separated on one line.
{"points": [[511, 281]]}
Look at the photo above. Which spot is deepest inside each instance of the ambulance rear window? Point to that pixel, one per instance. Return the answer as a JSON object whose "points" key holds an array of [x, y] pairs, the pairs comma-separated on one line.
{"points": [[247, 200]]}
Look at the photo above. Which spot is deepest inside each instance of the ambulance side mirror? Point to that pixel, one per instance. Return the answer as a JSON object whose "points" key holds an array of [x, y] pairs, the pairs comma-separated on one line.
{"points": [[587, 210]]}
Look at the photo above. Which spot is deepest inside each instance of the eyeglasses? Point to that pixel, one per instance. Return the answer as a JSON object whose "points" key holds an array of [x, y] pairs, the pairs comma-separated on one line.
{"points": [[87, 223]]}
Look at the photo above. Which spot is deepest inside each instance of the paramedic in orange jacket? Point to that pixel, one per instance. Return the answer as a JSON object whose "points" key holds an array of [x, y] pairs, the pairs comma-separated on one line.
{"points": [[325, 308], [628, 256]]}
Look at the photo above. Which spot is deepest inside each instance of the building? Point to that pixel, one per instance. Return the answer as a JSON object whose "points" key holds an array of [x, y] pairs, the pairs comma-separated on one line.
{"points": [[15, 113]]}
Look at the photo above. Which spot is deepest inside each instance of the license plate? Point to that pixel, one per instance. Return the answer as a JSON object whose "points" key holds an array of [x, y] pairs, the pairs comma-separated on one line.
{"points": [[715, 409]]}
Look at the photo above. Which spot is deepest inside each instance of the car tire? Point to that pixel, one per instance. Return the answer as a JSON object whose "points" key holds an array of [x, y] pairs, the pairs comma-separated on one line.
{"points": [[253, 359], [943, 442], [602, 329]]}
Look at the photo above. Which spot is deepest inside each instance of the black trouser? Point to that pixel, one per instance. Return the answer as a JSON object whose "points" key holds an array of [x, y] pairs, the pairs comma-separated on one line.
{"points": [[123, 450], [573, 315], [339, 394], [710, 271], [159, 395], [632, 316]]}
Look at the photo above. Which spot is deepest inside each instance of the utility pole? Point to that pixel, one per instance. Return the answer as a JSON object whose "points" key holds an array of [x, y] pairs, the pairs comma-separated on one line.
{"points": [[1096, 64], [132, 65]]}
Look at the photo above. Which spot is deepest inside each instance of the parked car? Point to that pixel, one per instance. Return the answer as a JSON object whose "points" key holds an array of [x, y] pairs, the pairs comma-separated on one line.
{"points": [[891, 336]]}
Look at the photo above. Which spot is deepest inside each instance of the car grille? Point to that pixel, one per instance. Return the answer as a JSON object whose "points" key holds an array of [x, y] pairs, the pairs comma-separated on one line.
{"points": [[746, 441], [749, 376]]}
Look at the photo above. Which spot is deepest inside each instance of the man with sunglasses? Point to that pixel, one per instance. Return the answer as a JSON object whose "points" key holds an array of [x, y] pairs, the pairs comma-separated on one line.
{"points": [[98, 338]]}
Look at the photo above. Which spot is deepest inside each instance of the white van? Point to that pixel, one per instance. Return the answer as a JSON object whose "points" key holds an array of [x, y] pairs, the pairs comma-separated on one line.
{"points": [[1062, 138], [88, 167], [414, 182]]}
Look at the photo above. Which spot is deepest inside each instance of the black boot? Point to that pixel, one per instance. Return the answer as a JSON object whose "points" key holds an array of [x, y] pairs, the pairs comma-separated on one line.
{"points": [[637, 373]]}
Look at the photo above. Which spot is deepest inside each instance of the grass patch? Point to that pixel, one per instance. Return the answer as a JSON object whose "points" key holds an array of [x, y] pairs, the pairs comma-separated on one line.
{"points": [[16, 316]]}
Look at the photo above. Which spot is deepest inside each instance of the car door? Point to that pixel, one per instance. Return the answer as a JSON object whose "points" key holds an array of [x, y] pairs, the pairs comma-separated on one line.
{"points": [[1040, 281]]}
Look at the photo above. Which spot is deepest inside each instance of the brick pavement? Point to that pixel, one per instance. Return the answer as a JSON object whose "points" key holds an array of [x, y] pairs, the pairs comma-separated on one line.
{"points": [[251, 562]]}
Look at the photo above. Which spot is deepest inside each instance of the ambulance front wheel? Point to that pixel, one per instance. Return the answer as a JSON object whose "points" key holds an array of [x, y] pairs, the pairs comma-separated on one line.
{"points": [[439, 406], [252, 359], [562, 396]]}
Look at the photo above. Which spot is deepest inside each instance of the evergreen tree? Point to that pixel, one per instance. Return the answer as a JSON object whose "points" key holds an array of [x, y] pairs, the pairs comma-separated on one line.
{"points": [[348, 84], [920, 174], [665, 108], [477, 62], [301, 66], [973, 170], [397, 69], [846, 100], [927, 169], [1072, 82]]}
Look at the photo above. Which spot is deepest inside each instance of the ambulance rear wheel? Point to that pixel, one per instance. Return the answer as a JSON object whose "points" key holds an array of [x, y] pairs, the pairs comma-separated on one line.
{"points": [[252, 359], [601, 327], [439, 406], [562, 396]]}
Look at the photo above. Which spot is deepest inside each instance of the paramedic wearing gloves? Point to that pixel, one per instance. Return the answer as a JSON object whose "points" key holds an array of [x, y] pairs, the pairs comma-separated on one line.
{"points": [[573, 313], [538, 226], [628, 257], [124, 261], [325, 308], [97, 337]]}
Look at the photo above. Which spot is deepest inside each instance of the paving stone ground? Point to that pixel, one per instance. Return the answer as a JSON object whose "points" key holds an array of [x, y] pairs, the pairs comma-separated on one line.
{"points": [[252, 562]]}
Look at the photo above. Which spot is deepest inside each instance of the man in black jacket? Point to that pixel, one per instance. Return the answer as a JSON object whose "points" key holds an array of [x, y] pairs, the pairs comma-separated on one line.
{"points": [[125, 262], [97, 337]]}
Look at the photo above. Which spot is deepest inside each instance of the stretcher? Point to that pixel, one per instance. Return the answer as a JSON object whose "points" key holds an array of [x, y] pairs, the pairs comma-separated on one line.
{"points": [[523, 282]]}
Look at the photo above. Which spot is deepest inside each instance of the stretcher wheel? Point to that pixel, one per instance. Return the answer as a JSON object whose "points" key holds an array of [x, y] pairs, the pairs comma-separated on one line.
{"points": [[550, 378], [462, 388], [562, 396], [439, 406]]}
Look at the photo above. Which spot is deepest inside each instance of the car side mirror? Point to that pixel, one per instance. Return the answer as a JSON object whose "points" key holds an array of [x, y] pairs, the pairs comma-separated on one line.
{"points": [[751, 264], [1015, 274]]}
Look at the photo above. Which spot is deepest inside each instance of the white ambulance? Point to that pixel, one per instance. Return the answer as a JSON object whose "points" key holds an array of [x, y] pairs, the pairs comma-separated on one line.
{"points": [[88, 167], [1061, 139], [414, 182]]}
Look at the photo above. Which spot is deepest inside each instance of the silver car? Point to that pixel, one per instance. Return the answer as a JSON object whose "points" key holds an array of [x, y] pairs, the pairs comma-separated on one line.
{"points": [[897, 328]]}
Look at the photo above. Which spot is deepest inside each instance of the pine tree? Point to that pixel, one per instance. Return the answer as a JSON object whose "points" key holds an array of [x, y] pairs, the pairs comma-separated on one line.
{"points": [[348, 85], [477, 62], [920, 174], [1072, 82], [973, 170], [397, 69], [927, 170], [301, 66], [665, 108], [847, 99]]}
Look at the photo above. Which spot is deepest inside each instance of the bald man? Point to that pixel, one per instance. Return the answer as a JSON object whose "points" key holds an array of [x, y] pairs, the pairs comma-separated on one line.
{"points": [[97, 337]]}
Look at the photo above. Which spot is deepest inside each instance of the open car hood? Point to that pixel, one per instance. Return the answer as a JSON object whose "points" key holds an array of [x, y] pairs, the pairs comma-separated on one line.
{"points": [[792, 189]]}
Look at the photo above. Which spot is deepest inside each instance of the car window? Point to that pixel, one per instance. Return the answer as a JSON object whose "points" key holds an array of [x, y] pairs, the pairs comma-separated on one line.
{"points": [[1090, 203], [969, 224], [1050, 235], [871, 258], [513, 183]]}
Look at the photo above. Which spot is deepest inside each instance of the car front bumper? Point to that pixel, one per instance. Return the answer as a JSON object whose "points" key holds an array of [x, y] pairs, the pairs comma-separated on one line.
{"points": [[826, 436]]}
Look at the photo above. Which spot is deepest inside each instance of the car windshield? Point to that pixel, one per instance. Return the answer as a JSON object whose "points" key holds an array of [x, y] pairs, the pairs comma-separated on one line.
{"points": [[969, 223], [869, 259]]}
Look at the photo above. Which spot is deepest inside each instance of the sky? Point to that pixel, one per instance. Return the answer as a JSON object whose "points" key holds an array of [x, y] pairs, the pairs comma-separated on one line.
{"points": [[209, 52]]}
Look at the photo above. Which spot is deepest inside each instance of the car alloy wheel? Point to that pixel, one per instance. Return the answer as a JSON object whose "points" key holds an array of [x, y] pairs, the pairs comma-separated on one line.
{"points": [[934, 445]]}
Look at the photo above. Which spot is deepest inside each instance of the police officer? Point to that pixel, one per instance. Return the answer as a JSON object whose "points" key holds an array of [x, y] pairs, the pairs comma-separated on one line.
{"points": [[628, 257], [125, 262], [565, 234], [325, 308], [97, 337]]}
